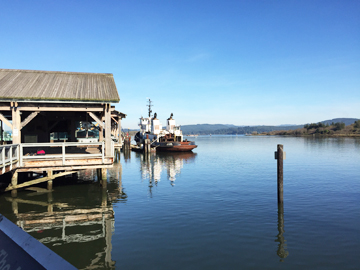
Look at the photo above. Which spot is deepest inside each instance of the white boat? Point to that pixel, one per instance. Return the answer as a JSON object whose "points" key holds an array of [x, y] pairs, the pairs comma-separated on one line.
{"points": [[169, 139]]}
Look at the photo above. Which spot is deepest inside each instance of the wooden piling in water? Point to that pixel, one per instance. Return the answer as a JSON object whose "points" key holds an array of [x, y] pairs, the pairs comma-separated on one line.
{"points": [[50, 182], [104, 177], [127, 144], [279, 155], [147, 144]]}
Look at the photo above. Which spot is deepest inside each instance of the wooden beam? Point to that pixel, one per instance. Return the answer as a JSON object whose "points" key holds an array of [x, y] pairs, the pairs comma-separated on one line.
{"points": [[114, 119], [6, 122], [97, 120], [64, 108], [73, 167], [28, 119], [37, 181]]}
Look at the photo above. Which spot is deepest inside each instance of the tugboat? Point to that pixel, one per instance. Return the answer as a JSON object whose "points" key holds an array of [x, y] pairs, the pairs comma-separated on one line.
{"points": [[170, 139]]}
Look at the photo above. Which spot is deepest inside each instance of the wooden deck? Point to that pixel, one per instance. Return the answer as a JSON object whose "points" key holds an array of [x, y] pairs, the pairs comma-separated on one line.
{"points": [[67, 158]]}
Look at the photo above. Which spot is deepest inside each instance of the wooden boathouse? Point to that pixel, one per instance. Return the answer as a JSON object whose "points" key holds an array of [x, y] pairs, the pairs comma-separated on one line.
{"points": [[45, 111]]}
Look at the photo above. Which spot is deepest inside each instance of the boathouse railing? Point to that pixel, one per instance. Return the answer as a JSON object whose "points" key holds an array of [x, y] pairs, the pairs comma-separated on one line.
{"points": [[9, 155], [14, 155], [28, 151]]}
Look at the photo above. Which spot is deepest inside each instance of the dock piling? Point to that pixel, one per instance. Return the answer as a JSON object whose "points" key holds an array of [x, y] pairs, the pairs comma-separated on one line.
{"points": [[50, 182], [147, 144], [280, 156], [103, 177]]}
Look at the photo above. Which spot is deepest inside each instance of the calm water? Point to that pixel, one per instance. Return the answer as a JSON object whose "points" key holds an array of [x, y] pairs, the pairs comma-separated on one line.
{"points": [[215, 208]]}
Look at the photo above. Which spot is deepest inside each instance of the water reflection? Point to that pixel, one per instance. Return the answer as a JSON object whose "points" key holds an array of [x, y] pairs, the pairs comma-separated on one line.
{"points": [[75, 221], [153, 165], [282, 247], [324, 142]]}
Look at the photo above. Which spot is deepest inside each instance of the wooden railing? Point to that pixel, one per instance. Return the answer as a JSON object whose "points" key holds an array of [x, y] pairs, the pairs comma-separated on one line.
{"points": [[15, 155], [9, 156], [63, 154]]}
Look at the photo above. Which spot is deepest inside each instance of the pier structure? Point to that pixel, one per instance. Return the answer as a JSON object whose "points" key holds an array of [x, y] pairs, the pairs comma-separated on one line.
{"points": [[47, 111]]}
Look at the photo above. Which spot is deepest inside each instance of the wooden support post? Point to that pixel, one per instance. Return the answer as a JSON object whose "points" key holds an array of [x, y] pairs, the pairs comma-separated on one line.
{"points": [[14, 182], [101, 134], [147, 146], [16, 123], [117, 155], [127, 144], [103, 177], [108, 149], [2, 133], [50, 182], [119, 131], [279, 155], [104, 198]]}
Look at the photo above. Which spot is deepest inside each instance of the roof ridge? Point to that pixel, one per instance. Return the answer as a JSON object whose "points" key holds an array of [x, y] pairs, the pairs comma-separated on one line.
{"points": [[54, 72]]}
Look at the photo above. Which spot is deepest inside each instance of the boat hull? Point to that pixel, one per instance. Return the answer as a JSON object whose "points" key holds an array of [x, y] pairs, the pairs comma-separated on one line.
{"points": [[175, 146]]}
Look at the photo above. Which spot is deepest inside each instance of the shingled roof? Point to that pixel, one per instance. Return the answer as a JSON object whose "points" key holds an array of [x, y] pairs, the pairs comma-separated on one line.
{"points": [[34, 85]]}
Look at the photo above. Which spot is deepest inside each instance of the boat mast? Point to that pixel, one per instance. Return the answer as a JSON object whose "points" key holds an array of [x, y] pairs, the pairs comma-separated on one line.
{"points": [[150, 105]]}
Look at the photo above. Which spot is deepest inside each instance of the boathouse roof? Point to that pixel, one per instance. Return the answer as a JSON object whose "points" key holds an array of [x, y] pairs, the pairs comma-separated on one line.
{"points": [[57, 86]]}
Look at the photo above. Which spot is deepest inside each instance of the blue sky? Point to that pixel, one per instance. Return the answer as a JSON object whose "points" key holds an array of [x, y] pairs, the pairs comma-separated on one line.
{"points": [[229, 62]]}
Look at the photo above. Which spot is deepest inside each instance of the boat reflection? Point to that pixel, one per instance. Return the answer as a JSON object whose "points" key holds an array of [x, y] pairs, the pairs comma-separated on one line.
{"points": [[75, 221], [153, 165]]}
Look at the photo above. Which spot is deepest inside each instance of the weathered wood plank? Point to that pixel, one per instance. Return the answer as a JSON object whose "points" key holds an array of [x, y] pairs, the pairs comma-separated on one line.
{"points": [[69, 162], [58, 168]]}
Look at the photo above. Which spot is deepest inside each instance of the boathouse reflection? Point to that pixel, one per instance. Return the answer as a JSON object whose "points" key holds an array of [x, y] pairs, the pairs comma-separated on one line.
{"points": [[153, 165], [77, 221]]}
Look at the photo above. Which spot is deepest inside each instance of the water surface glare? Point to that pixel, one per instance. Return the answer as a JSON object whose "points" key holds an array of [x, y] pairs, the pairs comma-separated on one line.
{"points": [[215, 208]]}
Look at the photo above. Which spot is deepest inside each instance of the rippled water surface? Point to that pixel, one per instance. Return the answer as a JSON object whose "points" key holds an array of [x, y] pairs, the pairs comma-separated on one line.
{"points": [[215, 208]]}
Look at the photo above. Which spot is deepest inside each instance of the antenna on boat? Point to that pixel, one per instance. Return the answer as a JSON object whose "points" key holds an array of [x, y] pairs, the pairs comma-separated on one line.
{"points": [[150, 105]]}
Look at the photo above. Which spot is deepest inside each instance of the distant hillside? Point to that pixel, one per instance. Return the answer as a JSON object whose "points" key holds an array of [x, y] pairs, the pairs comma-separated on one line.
{"points": [[336, 129], [346, 121], [205, 129]]}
